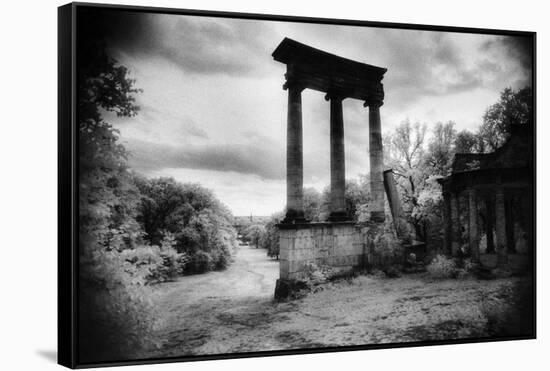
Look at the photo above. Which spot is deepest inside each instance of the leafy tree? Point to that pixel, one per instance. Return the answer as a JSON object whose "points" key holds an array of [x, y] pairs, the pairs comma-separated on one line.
{"points": [[270, 238], [313, 203], [466, 142], [201, 225], [405, 154], [115, 313], [441, 148], [513, 108], [254, 234], [356, 196]]}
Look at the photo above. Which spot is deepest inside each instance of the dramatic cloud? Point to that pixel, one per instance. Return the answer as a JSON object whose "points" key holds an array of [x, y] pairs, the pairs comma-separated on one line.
{"points": [[202, 45], [213, 111], [265, 162]]}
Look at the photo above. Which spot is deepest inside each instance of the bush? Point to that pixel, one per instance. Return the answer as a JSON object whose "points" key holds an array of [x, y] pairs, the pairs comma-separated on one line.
{"points": [[316, 275], [117, 315], [442, 267], [200, 262], [200, 226], [387, 249]]}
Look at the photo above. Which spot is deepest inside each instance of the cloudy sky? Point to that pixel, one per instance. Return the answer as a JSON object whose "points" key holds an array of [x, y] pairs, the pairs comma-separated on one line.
{"points": [[213, 109]]}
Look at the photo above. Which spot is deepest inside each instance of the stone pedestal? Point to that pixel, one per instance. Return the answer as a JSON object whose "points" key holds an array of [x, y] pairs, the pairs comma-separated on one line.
{"points": [[334, 245]]}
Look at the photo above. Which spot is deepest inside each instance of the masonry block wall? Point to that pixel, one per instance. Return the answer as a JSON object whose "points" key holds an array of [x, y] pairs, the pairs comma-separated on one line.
{"points": [[336, 245]]}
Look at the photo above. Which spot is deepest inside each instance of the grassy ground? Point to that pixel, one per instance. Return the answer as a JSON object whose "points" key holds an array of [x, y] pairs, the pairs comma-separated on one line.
{"points": [[233, 311]]}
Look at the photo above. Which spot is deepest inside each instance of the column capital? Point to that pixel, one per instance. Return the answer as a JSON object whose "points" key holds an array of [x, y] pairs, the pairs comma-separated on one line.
{"points": [[375, 100], [334, 96], [373, 103], [292, 83]]}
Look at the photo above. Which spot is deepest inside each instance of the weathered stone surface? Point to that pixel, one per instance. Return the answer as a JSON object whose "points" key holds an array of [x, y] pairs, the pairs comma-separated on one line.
{"points": [[473, 227], [294, 157], [337, 161], [500, 227], [324, 244], [455, 224], [376, 157]]}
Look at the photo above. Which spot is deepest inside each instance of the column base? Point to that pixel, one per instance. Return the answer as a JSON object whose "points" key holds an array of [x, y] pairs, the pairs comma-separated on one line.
{"points": [[338, 216], [377, 216]]}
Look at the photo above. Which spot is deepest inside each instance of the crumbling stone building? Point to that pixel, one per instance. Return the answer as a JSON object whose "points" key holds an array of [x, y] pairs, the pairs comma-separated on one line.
{"points": [[491, 195]]}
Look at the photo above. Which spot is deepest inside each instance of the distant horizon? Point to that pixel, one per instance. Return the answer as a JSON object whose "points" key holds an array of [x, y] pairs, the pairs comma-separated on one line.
{"points": [[213, 110]]}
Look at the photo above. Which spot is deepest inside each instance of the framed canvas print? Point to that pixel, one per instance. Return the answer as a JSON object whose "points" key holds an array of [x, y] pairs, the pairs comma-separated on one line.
{"points": [[236, 185]]}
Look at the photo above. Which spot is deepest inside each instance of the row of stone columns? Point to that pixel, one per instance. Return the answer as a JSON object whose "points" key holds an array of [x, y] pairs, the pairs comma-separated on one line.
{"points": [[453, 225], [295, 164]]}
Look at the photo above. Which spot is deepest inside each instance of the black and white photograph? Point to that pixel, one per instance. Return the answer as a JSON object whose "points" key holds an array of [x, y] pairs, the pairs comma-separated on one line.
{"points": [[260, 185]]}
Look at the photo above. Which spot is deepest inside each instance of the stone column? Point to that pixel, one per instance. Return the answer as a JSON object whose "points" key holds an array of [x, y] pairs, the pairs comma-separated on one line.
{"points": [[509, 215], [473, 232], [294, 157], [500, 227], [395, 205], [489, 206], [337, 161], [376, 163], [455, 224], [447, 223]]}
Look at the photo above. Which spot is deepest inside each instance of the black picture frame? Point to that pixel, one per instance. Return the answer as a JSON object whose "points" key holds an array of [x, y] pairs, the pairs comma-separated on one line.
{"points": [[68, 340]]}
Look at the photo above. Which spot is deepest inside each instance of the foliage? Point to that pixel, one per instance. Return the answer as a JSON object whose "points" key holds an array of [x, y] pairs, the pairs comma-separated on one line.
{"points": [[254, 234], [406, 155], [201, 226], [155, 264], [513, 108], [440, 148], [116, 311], [314, 204], [388, 250], [467, 142], [356, 200], [118, 259], [442, 267], [315, 275], [270, 238]]}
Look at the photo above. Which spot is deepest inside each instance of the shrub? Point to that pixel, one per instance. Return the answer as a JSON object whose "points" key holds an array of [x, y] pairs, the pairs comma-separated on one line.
{"points": [[316, 275], [388, 250], [442, 267], [117, 314], [200, 226], [200, 262]]}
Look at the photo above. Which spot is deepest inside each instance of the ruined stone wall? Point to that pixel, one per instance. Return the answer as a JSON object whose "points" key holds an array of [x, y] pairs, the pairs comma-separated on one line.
{"points": [[336, 245]]}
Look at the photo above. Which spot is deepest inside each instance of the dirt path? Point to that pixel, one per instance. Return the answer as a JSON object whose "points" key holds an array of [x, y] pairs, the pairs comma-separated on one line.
{"points": [[203, 313], [233, 311]]}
